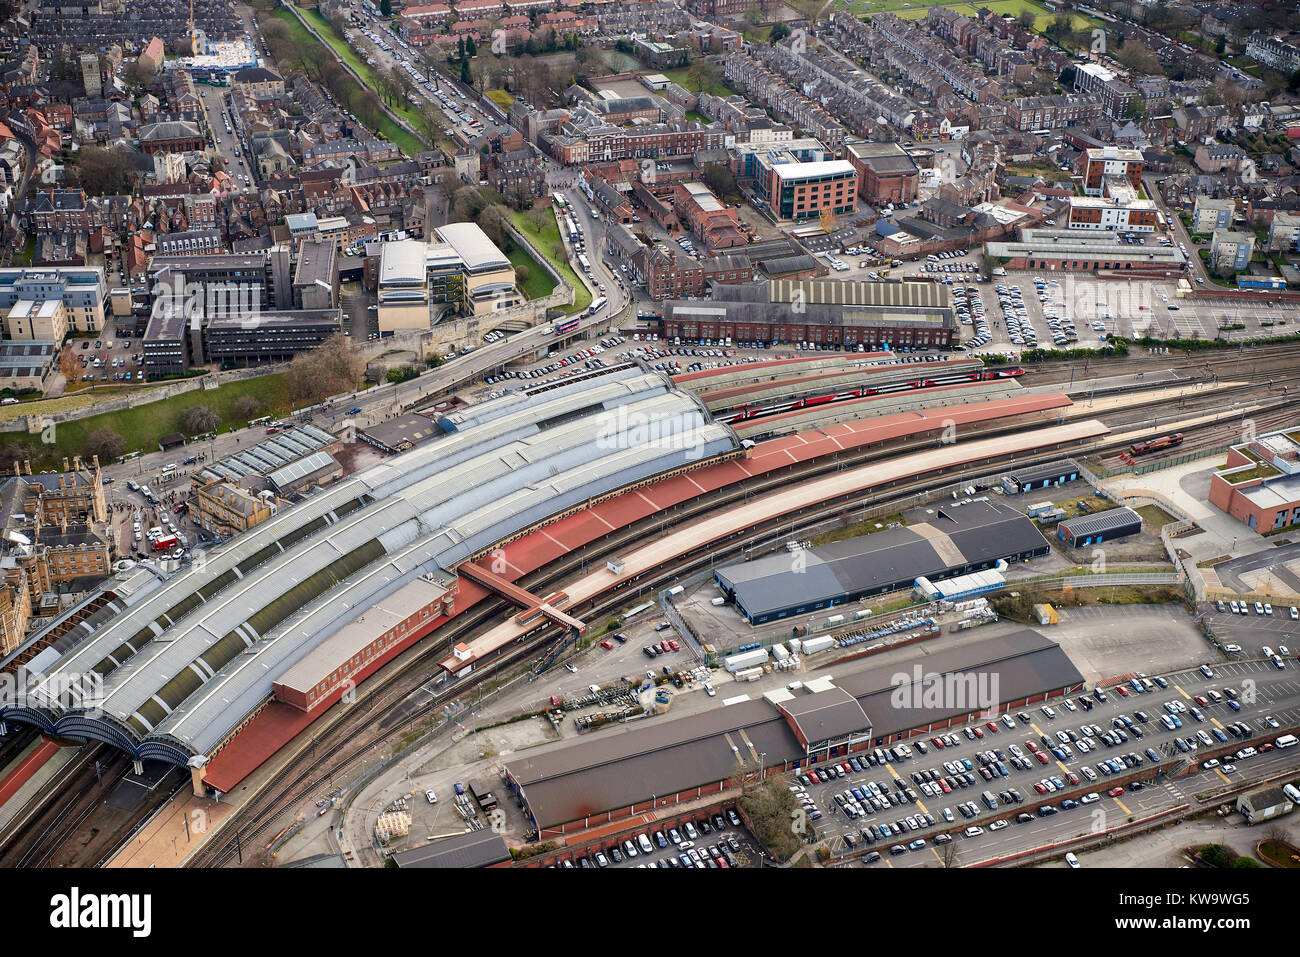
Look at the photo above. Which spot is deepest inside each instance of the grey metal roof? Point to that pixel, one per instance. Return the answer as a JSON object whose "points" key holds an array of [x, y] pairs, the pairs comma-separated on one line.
{"points": [[1100, 523], [958, 537], [291, 473], [189, 663], [573, 781], [475, 849], [1048, 471]]}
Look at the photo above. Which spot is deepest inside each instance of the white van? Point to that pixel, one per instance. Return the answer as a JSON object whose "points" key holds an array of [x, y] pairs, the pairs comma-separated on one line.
{"points": [[1287, 741]]}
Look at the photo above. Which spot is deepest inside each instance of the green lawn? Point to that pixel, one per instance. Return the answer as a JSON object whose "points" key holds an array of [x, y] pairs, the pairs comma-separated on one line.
{"points": [[1042, 16], [23, 257], [387, 128], [680, 78], [142, 426], [549, 236]]}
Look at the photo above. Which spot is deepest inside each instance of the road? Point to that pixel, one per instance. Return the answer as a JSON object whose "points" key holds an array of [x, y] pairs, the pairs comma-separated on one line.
{"points": [[376, 404]]}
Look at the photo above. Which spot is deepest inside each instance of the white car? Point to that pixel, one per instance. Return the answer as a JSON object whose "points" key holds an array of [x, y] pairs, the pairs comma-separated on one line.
{"points": [[430, 796]]}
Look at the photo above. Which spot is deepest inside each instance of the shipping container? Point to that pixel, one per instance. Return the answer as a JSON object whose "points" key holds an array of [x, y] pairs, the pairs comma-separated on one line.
{"points": [[747, 659], [813, 645], [779, 652]]}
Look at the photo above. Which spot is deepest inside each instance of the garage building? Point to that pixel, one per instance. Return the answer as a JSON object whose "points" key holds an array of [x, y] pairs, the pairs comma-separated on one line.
{"points": [[1099, 527]]}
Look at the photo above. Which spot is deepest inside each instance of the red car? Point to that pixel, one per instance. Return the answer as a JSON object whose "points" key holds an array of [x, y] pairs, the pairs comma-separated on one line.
{"points": [[1203, 701], [1123, 692], [947, 789], [1039, 787], [1071, 777], [1115, 792], [979, 732], [992, 727], [607, 646], [1031, 746], [936, 742], [674, 646], [663, 646], [1042, 758]]}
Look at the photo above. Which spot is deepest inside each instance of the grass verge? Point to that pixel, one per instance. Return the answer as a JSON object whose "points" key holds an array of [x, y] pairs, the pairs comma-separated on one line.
{"points": [[143, 426], [544, 240]]}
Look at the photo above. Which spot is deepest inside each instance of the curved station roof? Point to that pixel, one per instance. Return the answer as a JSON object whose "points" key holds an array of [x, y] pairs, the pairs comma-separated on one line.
{"points": [[183, 667]]}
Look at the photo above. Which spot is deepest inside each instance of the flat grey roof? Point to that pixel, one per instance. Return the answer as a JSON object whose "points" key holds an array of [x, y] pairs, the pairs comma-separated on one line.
{"points": [[959, 536], [475, 849]]}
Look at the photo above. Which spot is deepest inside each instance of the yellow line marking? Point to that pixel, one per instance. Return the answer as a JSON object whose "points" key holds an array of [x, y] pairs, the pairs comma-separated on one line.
{"points": [[936, 854], [1122, 807], [1062, 767], [1215, 722], [890, 769], [1037, 731], [1222, 775], [1182, 692]]}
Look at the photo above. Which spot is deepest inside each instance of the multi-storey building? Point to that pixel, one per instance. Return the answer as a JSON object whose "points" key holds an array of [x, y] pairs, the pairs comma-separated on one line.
{"points": [[81, 290], [1110, 161]]}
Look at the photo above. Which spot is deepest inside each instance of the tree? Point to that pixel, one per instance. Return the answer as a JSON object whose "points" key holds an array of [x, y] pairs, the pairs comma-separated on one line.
{"points": [[779, 32], [105, 443], [719, 178], [386, 7], [102, 172], [246, 407], [776, 818], [335, 366], [471, 48], [1026, 21], [465, 76], [198, 419]]}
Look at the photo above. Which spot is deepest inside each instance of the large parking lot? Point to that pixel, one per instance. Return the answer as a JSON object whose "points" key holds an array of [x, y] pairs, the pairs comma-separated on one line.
{"points": [[707, 841], [119, 360], [1041, 763]]}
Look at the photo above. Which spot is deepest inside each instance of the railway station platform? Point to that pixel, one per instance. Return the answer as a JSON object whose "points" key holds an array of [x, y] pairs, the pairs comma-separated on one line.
{"points": [[737, 521]]}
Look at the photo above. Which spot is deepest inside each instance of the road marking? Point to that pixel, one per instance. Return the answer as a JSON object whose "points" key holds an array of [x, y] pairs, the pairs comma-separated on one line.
{"points": [[1220, 773], [1182, 692], [1121, 806], [936, 854], [1215, 722], [890, 769], [1062, 767]]}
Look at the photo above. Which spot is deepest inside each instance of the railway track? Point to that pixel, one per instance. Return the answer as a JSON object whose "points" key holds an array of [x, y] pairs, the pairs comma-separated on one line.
{"points": [[354, 732], [299, 786]]}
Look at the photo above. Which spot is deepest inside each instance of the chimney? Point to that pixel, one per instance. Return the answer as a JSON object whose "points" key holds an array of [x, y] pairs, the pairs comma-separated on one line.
{"points": [[76, 463], [27, 466], [65, 463], [95, 459]]}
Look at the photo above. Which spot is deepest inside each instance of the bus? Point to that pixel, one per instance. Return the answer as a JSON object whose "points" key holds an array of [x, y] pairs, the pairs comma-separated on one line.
{"points": [[596, 306], [566, 325], [559, 200], [585, 263]]}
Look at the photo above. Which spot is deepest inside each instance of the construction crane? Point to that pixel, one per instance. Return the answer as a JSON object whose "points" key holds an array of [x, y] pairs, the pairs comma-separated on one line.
{"points": [[194, 34]]}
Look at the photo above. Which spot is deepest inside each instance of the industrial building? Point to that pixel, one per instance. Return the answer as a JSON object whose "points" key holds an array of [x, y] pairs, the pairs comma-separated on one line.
{"points": [[960, 539], [1098, 527], [1264, 804], [485, 848], [608, 776], [1083, 250], [874, 315], [1033, 477]]}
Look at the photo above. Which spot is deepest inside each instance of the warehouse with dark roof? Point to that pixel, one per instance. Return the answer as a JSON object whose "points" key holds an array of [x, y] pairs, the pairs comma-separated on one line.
{"points": [[960, 539], [616, 774], [1099, 527]]}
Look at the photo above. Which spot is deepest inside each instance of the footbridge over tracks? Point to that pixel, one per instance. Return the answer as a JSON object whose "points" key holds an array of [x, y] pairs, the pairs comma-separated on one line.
{"points": [[531, 606]]}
